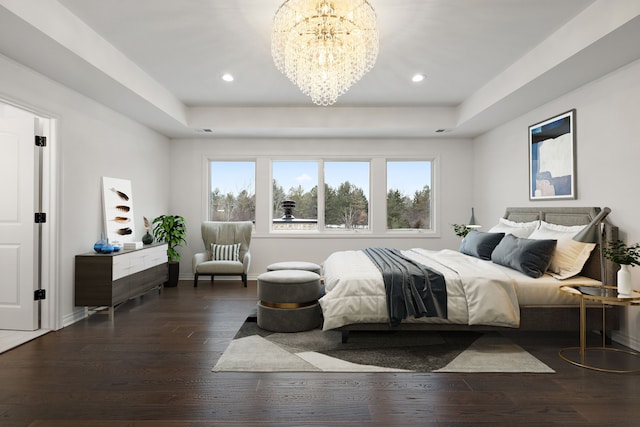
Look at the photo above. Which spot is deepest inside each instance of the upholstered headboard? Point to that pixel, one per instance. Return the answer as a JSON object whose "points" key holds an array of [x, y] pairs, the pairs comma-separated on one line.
{"points": [[572, 216]]}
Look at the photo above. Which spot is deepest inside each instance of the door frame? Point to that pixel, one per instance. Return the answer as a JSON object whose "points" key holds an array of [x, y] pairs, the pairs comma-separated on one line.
{"points": [[50, 306]]}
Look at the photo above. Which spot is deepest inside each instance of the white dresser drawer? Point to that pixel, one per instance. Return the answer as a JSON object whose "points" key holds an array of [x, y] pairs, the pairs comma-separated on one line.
{"points": [[155, 256], [137, 261], [121, 266]]}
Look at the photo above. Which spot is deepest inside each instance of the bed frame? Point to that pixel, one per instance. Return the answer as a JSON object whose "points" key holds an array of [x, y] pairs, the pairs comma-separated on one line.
{"points": [[538, 318]]}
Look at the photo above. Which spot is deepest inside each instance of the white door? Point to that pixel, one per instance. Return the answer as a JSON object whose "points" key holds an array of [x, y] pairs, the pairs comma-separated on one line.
{"points": [[18, 249]]}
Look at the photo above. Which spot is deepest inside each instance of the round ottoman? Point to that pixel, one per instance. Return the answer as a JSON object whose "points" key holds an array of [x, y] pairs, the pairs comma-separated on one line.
{"points": [[289, 301], [295, 265]]}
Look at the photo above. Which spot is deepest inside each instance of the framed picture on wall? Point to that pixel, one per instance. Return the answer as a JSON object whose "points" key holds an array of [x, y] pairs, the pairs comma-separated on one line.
{"points": [[552, 160]]}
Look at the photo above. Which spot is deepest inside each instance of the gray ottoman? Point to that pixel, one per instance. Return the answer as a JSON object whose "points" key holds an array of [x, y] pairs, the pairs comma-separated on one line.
{"points": [[295, 265], [289, 301]]}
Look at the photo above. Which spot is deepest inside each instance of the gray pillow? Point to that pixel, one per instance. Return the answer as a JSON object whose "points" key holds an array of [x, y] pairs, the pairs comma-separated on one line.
{"points": [[479, 244], [529, 256]]}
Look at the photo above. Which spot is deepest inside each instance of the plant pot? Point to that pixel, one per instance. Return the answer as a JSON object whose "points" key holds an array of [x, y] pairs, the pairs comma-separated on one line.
{"points": [[624, 280], [174, 272]]}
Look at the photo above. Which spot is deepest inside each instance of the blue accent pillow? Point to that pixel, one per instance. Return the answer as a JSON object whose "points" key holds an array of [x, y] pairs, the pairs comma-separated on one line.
{"points": [[529, 256], [480, 244]]}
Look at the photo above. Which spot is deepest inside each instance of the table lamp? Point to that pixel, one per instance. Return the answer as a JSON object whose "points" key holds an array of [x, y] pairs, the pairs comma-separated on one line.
{"points": [[472, 221], [592, 233]]}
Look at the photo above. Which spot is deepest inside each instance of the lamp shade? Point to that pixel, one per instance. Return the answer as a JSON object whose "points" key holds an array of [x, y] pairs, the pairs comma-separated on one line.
{"points": [[591, 233], [472, 221]]}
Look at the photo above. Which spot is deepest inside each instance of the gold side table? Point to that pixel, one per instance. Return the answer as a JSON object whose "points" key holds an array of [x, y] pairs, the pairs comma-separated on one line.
{"points": [[604, 359]]}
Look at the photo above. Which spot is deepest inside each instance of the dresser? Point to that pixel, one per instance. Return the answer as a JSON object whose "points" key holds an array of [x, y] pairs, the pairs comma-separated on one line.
{"points": [[108, 280]]}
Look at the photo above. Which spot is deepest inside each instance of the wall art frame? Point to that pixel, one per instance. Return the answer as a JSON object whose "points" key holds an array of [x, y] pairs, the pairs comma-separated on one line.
{"points": [[117, 200], [552, 158]]}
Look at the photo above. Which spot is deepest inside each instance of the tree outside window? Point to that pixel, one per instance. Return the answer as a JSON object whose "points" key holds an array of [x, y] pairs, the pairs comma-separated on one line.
{"points": [[232, 191], [409, 195], [346, 195]]}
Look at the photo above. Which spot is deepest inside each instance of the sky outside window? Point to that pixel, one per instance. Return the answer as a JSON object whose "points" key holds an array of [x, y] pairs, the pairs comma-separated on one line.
{"points": [[233, 177], [293, 174], [357, 173], [408, 177]]}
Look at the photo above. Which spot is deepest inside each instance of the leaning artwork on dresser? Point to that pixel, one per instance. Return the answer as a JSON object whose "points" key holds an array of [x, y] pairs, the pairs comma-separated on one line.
{"points": [[117, 203]]}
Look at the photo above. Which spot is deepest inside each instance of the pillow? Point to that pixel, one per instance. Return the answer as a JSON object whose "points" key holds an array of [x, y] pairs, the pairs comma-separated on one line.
{"points": [[225, 252], [529, 256], [479, 244], [569, 256], [518, 229]]}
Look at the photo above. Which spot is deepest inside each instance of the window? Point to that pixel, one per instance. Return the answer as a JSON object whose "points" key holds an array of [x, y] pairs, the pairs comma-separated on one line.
{"points": [[232, 191], [310, 196], [409, 199], [297, 182], [346, 205]]}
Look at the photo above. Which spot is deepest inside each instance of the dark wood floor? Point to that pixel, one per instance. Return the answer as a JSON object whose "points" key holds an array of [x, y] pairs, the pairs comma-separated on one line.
{"points": [[152, 367]]}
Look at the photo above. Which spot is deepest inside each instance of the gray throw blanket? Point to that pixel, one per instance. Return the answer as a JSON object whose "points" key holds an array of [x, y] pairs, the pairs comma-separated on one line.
{"points": [[412, 289]]}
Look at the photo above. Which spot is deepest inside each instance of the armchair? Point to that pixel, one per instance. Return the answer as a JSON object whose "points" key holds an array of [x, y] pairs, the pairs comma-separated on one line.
{"points": [[226, 250]]}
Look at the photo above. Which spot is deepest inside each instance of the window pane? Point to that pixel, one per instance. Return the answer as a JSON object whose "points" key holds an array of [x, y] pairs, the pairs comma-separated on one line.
{"points": [[232, 195], [295, 182], [346, 195], [409, 195]]}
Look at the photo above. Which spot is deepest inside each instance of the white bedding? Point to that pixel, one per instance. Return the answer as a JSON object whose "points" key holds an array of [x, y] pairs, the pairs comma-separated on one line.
{"points": [[478, 293], [544, 291], [355, 290]]}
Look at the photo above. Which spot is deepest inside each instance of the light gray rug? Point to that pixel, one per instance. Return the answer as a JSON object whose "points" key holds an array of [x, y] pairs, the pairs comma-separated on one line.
{"points": [[256, 350]]}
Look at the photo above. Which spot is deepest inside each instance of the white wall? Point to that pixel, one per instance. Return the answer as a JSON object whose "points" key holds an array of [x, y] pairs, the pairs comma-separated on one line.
{"points": [[607, 113], [92, 141], [189, 189]]}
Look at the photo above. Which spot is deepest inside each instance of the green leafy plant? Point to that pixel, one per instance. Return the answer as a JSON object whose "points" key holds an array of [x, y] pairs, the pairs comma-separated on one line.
{"points": [[461, 230], [172, 230], [618, 252]]}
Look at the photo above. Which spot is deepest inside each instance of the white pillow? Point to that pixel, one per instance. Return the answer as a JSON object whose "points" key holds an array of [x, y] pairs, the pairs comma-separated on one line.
{"points": [[518, 229], [569, 256]]}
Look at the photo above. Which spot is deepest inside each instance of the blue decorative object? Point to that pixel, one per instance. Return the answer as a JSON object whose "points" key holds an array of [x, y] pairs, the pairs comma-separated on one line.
{"points": [[107, 248], [99, 244], [116, 247]]}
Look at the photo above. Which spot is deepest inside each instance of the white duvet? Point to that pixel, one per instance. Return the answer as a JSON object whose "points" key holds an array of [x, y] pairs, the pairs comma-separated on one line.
{"points": [[478, 293]]}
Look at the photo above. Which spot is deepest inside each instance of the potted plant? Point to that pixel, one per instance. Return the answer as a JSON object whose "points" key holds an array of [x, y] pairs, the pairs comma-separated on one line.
{"points": [[461, 230], [617, 251], [172, 230]]}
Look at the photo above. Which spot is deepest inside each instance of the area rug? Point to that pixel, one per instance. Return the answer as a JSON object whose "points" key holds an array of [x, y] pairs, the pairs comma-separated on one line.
{"points": [[256, 350]]}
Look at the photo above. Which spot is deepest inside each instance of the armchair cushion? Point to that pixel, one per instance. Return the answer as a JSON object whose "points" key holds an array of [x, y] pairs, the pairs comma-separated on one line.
{"points": [[220, 267], [225, 252]]}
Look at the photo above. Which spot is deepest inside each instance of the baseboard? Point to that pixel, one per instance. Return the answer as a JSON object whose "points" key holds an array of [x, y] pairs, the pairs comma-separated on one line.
{"points": [[73, 317], [626, 340]]}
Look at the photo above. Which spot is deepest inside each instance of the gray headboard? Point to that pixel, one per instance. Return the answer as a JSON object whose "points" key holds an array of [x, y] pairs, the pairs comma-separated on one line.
{"points": [[572, 216]]}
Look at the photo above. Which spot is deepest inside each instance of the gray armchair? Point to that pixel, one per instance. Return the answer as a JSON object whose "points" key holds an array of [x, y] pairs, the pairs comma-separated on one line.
{"points": [[221, 257]]}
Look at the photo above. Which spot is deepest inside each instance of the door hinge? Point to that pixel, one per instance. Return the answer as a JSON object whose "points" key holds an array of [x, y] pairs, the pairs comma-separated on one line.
{"points": [[41, 141], [40, 217], [39, 294]]}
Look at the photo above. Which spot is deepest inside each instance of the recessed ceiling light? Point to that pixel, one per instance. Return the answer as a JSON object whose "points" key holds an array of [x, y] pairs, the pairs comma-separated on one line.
{"points": [[227, 77], [417, 78]]}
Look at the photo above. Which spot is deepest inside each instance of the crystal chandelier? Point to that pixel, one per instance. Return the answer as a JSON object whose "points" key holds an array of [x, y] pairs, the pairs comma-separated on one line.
{"points": [[324, 46]]}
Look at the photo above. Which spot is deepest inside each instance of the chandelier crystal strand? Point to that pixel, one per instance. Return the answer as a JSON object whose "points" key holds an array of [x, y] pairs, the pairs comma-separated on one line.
{"points": [[324, 46]]}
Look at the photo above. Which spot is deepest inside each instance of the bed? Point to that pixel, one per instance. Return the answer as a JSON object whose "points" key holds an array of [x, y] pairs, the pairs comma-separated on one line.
{"points": [[480, 294]]}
